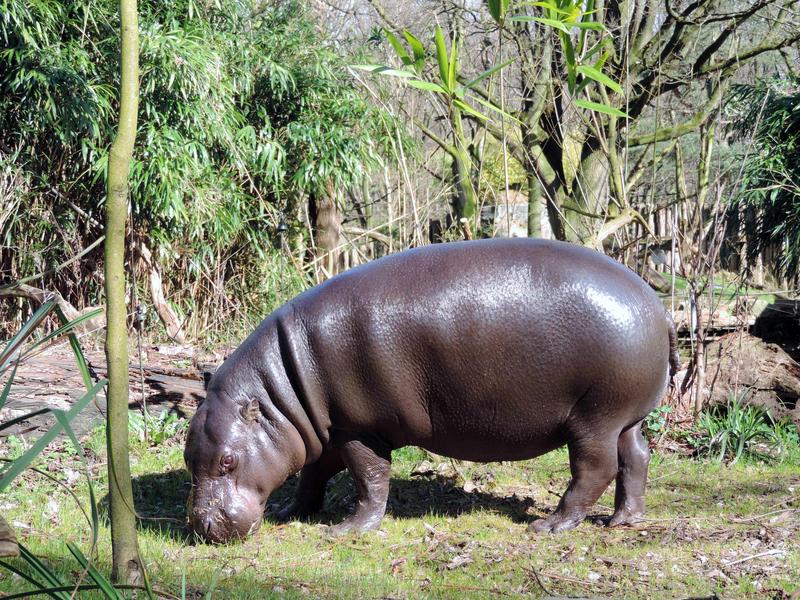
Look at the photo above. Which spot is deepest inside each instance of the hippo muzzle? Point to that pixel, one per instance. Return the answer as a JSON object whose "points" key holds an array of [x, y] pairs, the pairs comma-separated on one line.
{"points": [[221, 516]]}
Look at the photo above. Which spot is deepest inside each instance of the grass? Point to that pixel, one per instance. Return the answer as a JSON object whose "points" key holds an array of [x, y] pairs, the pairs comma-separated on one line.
{"points": [[727, 288], [451, 531]]}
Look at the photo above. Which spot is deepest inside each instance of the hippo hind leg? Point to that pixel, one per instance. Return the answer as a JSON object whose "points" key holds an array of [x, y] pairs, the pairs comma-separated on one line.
{"points": [[369, 462], [634, 458], [593, 463], [310, 494]]}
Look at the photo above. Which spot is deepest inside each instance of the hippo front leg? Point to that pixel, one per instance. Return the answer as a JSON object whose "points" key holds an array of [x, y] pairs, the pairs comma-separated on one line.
{"points": [[369, 462], [310, 494]]}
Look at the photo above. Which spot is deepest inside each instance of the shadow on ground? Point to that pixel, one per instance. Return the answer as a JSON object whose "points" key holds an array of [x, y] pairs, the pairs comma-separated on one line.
{"points": [[161, 501]]}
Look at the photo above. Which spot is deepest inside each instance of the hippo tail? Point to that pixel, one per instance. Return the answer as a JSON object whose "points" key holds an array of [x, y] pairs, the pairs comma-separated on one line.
{"points": [[674, 358]]}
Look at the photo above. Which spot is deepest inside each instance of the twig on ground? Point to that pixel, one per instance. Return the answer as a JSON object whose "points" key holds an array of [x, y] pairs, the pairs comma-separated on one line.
{"points": [[569, 579], [761, 516], [535, 574], [774, 552]]}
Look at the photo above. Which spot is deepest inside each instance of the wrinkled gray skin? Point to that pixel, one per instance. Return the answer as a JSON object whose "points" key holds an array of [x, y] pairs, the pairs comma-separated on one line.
{"points": [[484, 351]]}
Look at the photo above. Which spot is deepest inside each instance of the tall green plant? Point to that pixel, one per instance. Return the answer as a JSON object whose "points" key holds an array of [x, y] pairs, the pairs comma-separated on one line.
{"points": [[455, 95], [15, 350], [734, 430], [564, 16]]}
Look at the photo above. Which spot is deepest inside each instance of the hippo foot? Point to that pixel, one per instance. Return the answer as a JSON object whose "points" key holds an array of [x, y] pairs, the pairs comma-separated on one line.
{"points": [[556, 522], [625, 516], [354, 526]]}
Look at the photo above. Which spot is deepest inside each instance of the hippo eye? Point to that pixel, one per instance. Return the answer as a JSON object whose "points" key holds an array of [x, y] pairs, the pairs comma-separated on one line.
{"points": [[227, 463]]}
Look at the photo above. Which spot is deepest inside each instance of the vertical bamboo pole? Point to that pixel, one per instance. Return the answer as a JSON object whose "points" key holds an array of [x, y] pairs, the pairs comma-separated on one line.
{"points": [[127, 566]]}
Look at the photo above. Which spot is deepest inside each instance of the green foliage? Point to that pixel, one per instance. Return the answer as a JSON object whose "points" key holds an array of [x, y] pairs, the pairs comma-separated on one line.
{"points": [[447, 64], [769, 115], [160, 429], [736, 430], [44, 579], [18, 347], [564, 17], [243, 111], [657, 421]]}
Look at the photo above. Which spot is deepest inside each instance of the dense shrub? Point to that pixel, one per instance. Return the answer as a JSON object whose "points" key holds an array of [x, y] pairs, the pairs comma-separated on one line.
{"points": [[243, 111], [770, 194]]}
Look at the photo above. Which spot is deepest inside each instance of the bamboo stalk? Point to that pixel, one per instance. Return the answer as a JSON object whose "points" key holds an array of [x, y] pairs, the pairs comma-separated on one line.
{"points": [[127, 565]]}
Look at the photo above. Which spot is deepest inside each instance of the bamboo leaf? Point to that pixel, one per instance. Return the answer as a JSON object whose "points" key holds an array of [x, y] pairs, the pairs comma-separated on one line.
{"points": [[398, 47], [600, 77], [107, 589], [601, 108], [495, 108], [600, 62], [451, 73], [80, 358], [573, 14], [591, 25], [426, 85], [384, 70], [22, 418], [441, 56], [19, 338], [489, 72], [494, 9], [498, 8], [569, 54], [39, 587], [417, 48], [22, 463], [553, 23], [69, 326], [7, 387], [468, 109], [61, 417], [43, 571], [552, 6]]}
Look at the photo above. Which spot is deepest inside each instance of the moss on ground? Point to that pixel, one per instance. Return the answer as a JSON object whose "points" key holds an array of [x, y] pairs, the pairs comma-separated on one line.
{"points": [[453, 530]]}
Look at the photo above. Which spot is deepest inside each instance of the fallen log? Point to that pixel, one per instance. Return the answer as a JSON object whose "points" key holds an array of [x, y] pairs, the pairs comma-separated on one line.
{"points": [[23, 290]]}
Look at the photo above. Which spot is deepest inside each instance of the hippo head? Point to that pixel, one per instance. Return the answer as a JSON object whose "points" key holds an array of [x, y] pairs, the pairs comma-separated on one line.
{"points": [[237, 457]]}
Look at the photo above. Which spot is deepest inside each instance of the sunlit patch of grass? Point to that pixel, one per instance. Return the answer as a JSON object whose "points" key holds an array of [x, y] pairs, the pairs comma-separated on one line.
{"points": [[451, 530]]}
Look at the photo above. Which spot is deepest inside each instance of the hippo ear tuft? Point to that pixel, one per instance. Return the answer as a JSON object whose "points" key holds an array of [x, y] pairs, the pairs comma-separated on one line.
{"points": [[251, 411]]}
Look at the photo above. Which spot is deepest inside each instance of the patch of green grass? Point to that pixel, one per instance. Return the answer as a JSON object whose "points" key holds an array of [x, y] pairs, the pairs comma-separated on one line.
{"points": [[452, 530], [727, 287]]}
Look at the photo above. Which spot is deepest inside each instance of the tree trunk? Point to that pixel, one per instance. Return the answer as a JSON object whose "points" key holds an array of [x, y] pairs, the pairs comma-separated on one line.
{"points": [[326, 223], [464, 200], [172, 323], [589, 199], [534, 206], [127, 566]]}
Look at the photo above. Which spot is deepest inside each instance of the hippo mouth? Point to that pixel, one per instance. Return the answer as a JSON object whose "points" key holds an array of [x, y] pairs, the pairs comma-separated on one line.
{"points": [[218, 527], [220, 523]]}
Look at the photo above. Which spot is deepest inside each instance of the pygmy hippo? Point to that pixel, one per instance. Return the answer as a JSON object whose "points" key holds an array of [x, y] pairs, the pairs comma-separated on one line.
{"points": [[485, 351]]}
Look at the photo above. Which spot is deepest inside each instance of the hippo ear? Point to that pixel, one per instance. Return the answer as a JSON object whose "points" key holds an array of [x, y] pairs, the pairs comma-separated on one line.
{"points": [[250, 411]]}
